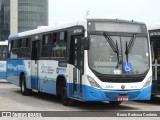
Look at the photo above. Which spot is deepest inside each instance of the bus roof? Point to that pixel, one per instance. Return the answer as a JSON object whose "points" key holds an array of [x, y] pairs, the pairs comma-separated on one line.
{"points": [[154, 27], [82, 22], [47, 29]]}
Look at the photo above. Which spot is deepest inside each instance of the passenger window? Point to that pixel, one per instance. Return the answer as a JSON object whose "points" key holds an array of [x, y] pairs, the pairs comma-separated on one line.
{"points": [[14, 49], [59, 47], [54, 38], [3, 52], [24, 48], [46, 46]]}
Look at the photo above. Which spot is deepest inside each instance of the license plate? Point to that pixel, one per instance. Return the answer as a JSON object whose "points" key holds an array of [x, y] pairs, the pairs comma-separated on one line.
{"points": [[123, 98]]}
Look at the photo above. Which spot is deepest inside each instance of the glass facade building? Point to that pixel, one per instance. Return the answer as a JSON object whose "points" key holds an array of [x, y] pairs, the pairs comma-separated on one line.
{"points": [[4, 19], [31, 14]]}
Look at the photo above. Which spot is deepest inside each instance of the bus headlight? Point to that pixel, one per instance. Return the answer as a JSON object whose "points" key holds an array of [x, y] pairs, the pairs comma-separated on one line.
{"points": [[92, 82], [148, 82]]}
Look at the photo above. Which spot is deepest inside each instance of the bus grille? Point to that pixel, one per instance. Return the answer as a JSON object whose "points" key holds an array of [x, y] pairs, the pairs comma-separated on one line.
{"points": [[121, 79]]}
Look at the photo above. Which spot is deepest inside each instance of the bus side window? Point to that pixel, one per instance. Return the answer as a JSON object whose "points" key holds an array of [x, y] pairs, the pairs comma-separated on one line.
{"points": [[14, 49], [54, 38], [59, 45], [24, 51], [46, 46], [4, 52]]}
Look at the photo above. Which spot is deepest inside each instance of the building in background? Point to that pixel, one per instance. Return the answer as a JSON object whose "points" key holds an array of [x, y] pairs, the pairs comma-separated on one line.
{"points": [[4, 19], [22, 15]]}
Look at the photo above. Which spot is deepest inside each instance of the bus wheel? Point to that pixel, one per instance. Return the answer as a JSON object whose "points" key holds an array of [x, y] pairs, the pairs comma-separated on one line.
{"points": [[24, 90], [65, 100], [115, 102]]}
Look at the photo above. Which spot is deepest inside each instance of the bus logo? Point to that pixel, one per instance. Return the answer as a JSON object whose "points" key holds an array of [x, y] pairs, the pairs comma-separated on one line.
{"points": [[122, 86], [47, 69]]}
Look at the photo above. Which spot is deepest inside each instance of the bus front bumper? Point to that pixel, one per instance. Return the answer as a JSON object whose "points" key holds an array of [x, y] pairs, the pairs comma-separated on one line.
{"points": [[93, 94]]}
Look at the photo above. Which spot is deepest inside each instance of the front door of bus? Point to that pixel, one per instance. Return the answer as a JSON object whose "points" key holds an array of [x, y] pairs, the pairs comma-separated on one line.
{"points": [[76, 59], [34, 64]]}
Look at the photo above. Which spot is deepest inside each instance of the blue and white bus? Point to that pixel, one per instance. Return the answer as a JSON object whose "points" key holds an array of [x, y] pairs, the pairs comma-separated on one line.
{"points": [[154, 32], [3, 58], [86, 60]]}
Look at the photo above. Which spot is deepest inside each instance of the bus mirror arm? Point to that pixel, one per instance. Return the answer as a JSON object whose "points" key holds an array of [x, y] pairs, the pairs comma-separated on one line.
{"points": [[86, 43]]}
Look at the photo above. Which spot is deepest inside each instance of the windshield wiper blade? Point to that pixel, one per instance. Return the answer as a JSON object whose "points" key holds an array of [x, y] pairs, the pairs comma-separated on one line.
{"points": [[113, 46], [126, 52], [117, 55], [129, 46], [111, 43]]}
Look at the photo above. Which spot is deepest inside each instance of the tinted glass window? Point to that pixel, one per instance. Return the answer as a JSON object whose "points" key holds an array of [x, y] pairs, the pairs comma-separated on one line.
{"points": [[24, 49], [46, 46], [3, 52], [14, 49]]}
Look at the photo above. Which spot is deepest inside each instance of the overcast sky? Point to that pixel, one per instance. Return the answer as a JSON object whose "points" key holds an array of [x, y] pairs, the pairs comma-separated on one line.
{"points": [[139, 10]]}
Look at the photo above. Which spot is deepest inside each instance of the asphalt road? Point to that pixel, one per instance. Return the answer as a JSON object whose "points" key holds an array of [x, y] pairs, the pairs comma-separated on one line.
{"points": [[12, 100]]}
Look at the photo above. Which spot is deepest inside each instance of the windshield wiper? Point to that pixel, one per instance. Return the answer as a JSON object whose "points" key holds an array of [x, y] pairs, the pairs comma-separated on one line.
{"points": [[113, 46], [129, 46]]}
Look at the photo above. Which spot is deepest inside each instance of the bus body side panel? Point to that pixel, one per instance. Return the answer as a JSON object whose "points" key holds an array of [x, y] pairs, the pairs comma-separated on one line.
{"points": [[48, 71], [46, 76], [3, 59], [24, 66], [14, 70], [70, 83], [12, 73], [2, 70]]}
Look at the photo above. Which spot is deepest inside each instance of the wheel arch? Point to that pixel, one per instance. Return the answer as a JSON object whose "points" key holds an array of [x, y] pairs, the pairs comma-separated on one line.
{"points": [[60, 81]]}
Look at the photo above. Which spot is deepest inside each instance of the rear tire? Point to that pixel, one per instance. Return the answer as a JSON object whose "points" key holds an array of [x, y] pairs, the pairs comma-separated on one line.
{"points": [[24, 90], [115, 103]]}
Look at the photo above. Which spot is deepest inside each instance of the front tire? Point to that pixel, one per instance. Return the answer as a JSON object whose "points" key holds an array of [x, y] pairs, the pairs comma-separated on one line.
{"points": [[24, 90], [64, 98]]}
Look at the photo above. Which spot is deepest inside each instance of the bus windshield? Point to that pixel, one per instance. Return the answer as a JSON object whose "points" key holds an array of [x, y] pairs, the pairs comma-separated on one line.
{"points": [[103, 59]]}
